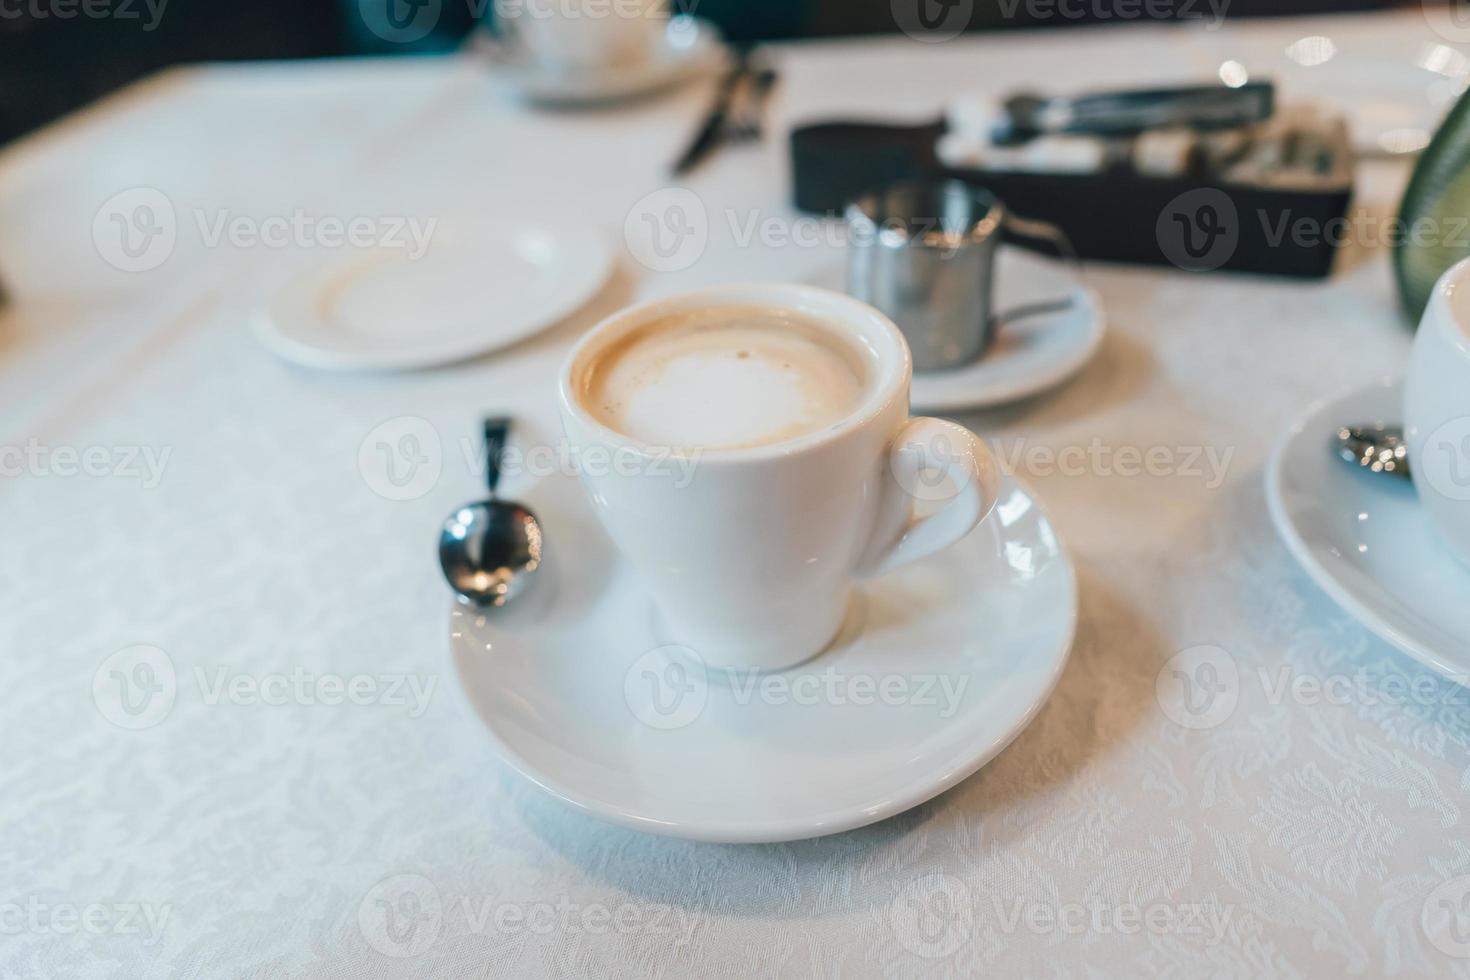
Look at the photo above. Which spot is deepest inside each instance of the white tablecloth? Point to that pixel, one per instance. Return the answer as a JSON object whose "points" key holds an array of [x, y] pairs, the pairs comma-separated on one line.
{"points": [[234, 530]]}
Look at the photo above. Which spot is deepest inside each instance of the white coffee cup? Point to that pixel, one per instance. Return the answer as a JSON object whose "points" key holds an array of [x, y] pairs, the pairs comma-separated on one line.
{"points": [[1437, 409], [751, 554], [584, 35]]}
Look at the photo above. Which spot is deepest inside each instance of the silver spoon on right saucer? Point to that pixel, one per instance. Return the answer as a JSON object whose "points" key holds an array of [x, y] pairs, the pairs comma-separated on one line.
{"points": [[1377, 448]]}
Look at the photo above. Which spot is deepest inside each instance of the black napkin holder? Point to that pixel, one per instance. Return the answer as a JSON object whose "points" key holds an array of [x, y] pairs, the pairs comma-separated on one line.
{"points": [[1112, 215]]}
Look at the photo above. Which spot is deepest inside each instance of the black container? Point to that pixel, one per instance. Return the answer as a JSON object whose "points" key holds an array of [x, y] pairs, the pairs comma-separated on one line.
{"points": [[1115, 215]]}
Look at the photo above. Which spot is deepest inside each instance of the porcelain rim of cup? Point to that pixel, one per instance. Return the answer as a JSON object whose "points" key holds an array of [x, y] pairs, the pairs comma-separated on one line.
{"points": [[813, 302], [1453, 291]]}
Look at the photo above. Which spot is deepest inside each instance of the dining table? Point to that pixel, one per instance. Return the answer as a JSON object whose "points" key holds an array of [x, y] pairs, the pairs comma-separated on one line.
{"points": [[186, 514]]}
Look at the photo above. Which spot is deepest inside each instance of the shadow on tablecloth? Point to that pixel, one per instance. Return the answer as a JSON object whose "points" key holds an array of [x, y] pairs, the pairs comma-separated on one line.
{"points": [[1107, 687]]}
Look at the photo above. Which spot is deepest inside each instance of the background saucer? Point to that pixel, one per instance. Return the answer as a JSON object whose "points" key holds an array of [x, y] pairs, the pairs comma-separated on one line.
{"points": [[1030, 355], [1365, 540], [469, 293], [689, 48]]}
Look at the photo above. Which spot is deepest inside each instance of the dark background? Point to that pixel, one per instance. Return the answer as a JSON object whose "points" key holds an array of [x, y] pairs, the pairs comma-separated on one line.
{"points": [[51, 63]]}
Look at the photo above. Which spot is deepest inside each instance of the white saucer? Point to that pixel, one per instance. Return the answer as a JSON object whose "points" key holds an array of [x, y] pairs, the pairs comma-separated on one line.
{"points": [[576, 694], [1365, 540], [1029, 355], [467, 294], [687, 48]]}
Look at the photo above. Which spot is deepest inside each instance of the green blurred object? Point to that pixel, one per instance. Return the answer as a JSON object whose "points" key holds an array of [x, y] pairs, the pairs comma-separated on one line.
{"points": [[1439, 191]]}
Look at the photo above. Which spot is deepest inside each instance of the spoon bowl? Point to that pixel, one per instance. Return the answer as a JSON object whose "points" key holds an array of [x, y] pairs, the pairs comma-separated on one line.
{"points": [[490, 550], [1377, 448]]}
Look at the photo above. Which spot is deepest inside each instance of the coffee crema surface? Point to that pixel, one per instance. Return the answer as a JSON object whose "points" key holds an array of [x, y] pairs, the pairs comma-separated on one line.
{"points": [[730, 377]]}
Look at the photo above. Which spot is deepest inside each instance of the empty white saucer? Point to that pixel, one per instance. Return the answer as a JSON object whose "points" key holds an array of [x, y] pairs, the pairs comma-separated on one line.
{"points": [[940, 666], [466, 294], [687, 48], [1029, 355], [1364, 539]]}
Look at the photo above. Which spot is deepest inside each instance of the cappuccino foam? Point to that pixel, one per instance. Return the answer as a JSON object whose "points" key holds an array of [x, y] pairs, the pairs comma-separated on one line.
{"points": [[726, 378]]}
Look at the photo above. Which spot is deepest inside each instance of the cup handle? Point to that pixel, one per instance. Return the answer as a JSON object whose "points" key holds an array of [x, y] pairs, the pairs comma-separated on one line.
{"points": [[933, 460], [1025, 231]]}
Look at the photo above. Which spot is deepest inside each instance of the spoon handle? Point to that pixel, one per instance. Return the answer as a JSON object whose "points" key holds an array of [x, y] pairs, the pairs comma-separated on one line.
{"points": [[497, 433]]}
